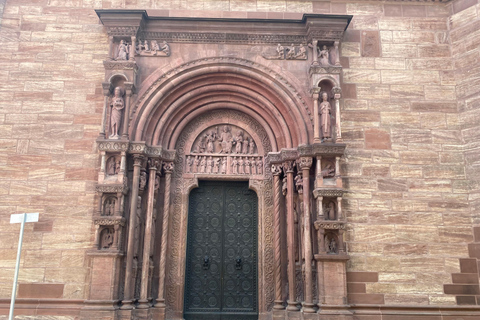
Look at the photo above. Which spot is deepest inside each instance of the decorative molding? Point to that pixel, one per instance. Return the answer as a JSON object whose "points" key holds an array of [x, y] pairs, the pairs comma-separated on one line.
{"points": [[109, 221], [112, 188], [120, 65], [328, 192], [321, 149], [318, 69], [329, 225], [112, 146]]}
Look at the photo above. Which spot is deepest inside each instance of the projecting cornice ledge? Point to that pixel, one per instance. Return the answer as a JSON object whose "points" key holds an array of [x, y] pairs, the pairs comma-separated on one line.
{"points": [[137, 23]]}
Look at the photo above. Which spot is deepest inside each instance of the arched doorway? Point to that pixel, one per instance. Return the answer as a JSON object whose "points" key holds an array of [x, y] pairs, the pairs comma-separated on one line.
{"points": [[221, 263]]}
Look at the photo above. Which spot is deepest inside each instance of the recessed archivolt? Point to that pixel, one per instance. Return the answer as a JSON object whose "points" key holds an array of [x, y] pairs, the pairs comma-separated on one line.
{"points": [[218, 83]]}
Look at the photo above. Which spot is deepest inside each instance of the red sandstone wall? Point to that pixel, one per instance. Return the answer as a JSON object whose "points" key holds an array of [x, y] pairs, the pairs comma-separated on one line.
{"points": [[410, 221]]}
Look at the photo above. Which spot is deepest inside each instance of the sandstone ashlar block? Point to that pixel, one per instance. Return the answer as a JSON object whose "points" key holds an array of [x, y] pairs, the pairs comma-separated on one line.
{"points": [[400, 119], [415, 92], [390, 63], [373, 92], [361, 76], [364, 9], [365, 23], [374, 233], [390, 50], [408, 77], [416, 234], [350, 49], [361, 63], [433, 120]]}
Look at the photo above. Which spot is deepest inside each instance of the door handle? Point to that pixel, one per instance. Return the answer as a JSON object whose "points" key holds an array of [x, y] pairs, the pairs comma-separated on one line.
{"points": [[206, 263], [238, 263]]}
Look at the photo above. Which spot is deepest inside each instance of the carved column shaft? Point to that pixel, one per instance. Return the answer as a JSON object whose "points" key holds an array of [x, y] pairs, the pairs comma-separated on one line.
{"points": [[277, 189], [147, 240], [168, 167], [131, 54], [128, 291], [318, 173], [110, 48], [292, 292], [106, 93], [126, 116], [339, 208], [316, 119], [337, 54], [315, 51], [305, 164], [338, 125]]}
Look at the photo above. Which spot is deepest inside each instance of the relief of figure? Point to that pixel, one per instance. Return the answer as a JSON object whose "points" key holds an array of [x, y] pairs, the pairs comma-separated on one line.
{"points": [[188, 168], [280, 51], [245, 146], [240, 166], [203, 164], [155, 47], [235, 165], [226, 140], [122, 51], [254, 166], [109, 207], [291, 52], [117, 105], [216, 165], [284, 186], [106, 239], [238, 141], [251, 146], [247, 166], [145, 46], [330, 214], [138, 222], [302, 52], [299, 182], [112, 166], [210, 138], [330, 245], [259, 166], [165, 48], [196, 163], [143, 180], [328, 171], [325, 116], [224, 165], [209, 165], [201, 145], [157, 182], [324, 57]]}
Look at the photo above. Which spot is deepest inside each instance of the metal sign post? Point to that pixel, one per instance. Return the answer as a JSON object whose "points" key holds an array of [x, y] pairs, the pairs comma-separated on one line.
{"points": [[19, 218]]}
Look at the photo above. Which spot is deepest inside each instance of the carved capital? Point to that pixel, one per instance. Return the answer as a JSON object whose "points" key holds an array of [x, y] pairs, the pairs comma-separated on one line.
{"points": [[129, 88], [316, 92], [276, 169], [288, 166], [154, 164], [106, 88], [336, 92], [138, 160], [305, 162], [168, 167]]}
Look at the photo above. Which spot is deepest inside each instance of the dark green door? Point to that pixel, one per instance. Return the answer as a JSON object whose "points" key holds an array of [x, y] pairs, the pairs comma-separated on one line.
{"points": [[221, 270]]}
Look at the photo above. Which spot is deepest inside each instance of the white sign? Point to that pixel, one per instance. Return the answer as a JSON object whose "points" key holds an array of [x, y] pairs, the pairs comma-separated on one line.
{"points": [[17, 218]]}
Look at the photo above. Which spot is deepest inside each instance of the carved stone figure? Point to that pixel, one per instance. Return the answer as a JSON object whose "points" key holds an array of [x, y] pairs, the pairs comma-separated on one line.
{"points": [[209, 165], [122, 51], [245, 146], [251, 146], [331, 211], [106, 240], [109, 207], [226, 140], [284, 186], [201, 145], [259, 166], [247, 166], [117, 105], [165, 48], [299, 183], [210, 138], [302, 52], [325, 116], [235, 165], [155, 47], [240, 166], [238, 141], [189, 165], [328, 171], [157, 182], [280, 51], [113, 166], [145, 46], [224, 166], [254, 166], [331, 245], [216, 165], [196, 163], [203, 164], [291, 52], [143, 180], [324, 57]]}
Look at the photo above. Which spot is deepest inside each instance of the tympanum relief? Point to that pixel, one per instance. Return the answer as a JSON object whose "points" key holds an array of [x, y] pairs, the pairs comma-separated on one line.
{"points": [[224, 149], [154, 48]]}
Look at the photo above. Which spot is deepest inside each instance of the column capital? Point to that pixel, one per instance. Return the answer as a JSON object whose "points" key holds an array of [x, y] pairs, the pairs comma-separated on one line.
{"points": [[276, 169], [305, 162], [107, 88], [168, 166], [336, 93], [288, 166], [129, 88], [154, 164], [138, 160]]}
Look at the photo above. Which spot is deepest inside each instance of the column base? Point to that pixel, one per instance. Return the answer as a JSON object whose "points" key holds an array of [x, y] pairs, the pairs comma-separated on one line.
{"points": [[143, 304], [127, 305], [160, 304], [292, 306], [278, 305], [309, 308]]}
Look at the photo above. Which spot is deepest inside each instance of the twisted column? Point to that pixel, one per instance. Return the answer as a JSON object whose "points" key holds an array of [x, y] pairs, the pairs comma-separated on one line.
{"points": [[288, 168], [277, 189], [128, 291], [168, 167], [153, 166], [305, 164]]}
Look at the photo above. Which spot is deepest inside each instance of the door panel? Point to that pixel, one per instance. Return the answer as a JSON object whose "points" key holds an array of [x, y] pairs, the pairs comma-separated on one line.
{"points": [[221, 270]]}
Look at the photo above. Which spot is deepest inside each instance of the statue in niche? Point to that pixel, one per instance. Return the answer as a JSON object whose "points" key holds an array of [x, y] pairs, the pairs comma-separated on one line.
{"points": [[113, 166], [106, 238], [189, 165], [245, 146], [259, 166], [254, 166], [238, 141], [251, 146], [117, 105], [226, 140], [203, 164], [302, 52], [328, 171], [109, 207], [324, 57], [291, 52], [330, 211], [143, 180], [209, 165], [201, 145], [235, 165], [240, 165], [280, 51], [330, 245], [196, 163], [224, 166], [247, 166], [325, 117], [122, 51], [216, 165], [210, 138]]}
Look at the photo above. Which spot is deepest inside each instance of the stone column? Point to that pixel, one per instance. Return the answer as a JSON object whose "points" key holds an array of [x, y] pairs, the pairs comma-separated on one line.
{"points": [[168, 167], [153, 165], [305, 164], [131, 54], [129, 89], [106, 97], [339, 209], [288, 167], [129, 279], [277, 190], [318, 173], [315, 52], [111, 49], [337, 93], [337, 54], [316, 116]]}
